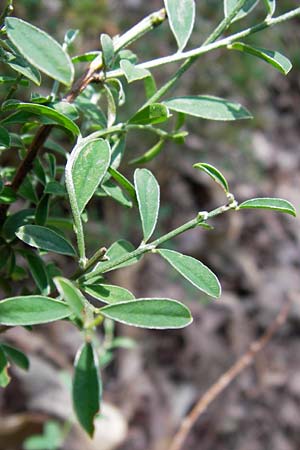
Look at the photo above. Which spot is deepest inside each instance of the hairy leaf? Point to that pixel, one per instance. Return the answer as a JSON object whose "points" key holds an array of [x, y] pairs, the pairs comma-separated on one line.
{"points": [[276, 59], [181, 15], [86, 387], [45, 239], [85, 170], [148, 196], [32, 310], [214, 173], [276, 204], [194, 271], [32, 43], [208, 107], [159, 313], [108, 293], [71, 295]]}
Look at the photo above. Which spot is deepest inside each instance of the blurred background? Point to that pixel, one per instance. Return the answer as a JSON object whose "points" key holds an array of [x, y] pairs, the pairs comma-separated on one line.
{"points": [[149, 388]]}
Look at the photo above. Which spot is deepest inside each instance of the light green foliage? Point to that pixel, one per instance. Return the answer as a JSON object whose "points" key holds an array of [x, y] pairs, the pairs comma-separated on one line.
{"points": [[32, 42], [148, 196], [275, 204], [208, 107], [31, 310], [181, 15], [194, 271], [159, 313], [46, 192], [276, 59], [46, 239]]}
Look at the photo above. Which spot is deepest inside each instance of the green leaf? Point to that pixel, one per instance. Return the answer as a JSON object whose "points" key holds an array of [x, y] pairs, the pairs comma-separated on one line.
{"points": [[117, 250], [3, 360], [150, 154], [54, 188], [4, 377], [4, 138], [229, 5], [85, 170], [159, 313], [45, 239], [44, 111], [271, 7], [42, 210], [32, 310], [133, 73], [86, 387], [111, 106], [151, 114], [71, 295], [27, 190], [194, 271], [107, 49], [20, 65], [115, 192], [275, 204], [67, 109], [8, 195], [148, 196], [38, 271], [214, 173], [12, 80], [15, 221], [208, 107], [181, 15], [16, 356], [123, 181], [108, 293], [276, 59], [86, 57], [32, 43]]}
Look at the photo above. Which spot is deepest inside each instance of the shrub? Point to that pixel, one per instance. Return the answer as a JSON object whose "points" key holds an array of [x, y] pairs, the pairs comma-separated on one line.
{"points": [[46, 179]]}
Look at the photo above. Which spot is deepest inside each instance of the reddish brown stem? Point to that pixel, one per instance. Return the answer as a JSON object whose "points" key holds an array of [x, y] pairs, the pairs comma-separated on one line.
{"points": [[226, 379]]}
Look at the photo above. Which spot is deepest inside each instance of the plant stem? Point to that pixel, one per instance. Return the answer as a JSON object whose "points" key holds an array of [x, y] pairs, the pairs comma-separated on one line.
{"points": [[195, 53], [201, 217], [146, 25]]}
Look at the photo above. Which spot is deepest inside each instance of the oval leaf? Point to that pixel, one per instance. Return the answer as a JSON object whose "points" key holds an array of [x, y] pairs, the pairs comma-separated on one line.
{"points": [[159, 313], [40, 49], [71, 295], [276, 59], [86, 389], [16, 356], [32, 310], [229, 5], [194, 271], [208, 107], [45, 239], [151, 114], [133, 73], [108, 293], [44, 111], [148, 197], [39, 272], [15, 221], [85, 170], [20, 65], [4, 138], [214, 173], [181, 16], [276, 204]]}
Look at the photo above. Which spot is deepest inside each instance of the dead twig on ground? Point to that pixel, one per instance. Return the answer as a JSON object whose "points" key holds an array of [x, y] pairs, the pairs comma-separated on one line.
{"points": [[226, 379]]}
